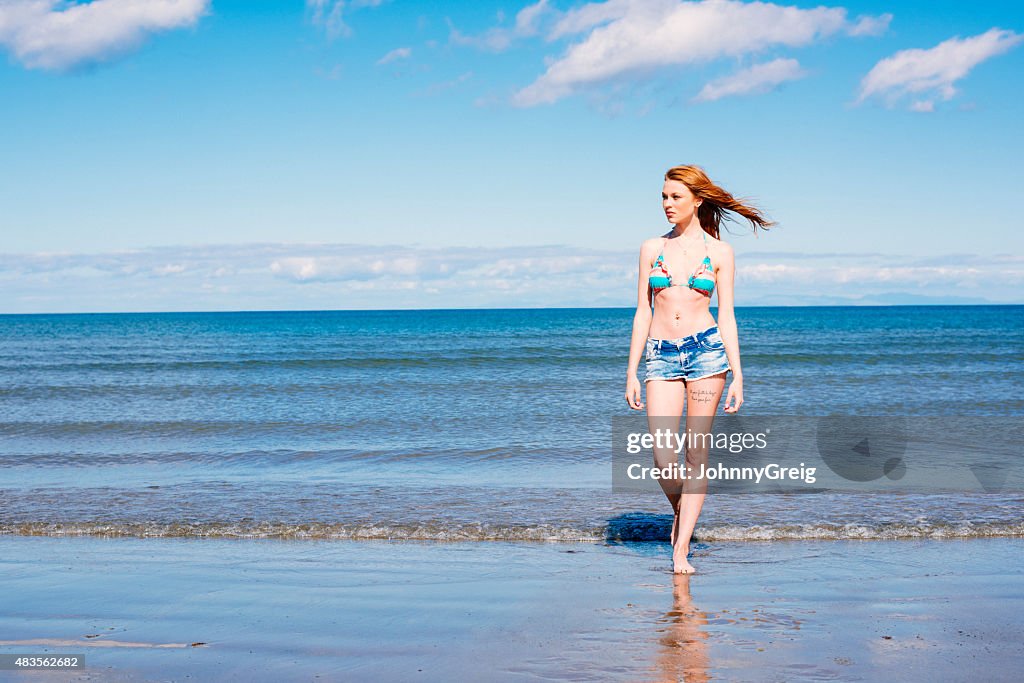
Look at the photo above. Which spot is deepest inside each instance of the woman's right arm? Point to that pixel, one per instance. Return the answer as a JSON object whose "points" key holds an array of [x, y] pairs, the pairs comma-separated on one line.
{"points": [[641, 328]]}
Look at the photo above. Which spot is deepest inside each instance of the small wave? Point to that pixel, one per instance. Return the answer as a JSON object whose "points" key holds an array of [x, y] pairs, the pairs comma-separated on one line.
{"points": [[895, 531], [422, 359], [456, 532], [321, 531], [182, 429]]}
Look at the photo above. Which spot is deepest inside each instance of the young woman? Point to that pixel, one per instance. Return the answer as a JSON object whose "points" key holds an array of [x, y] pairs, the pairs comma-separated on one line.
{"points": [[687, 354]]}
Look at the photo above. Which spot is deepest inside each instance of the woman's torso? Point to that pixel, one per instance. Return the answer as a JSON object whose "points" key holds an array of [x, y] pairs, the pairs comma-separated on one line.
{"points": [[684, 308]]}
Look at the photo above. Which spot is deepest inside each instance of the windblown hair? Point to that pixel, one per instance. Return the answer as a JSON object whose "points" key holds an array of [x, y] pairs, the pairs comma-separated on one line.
{"points": [[716, 201]]}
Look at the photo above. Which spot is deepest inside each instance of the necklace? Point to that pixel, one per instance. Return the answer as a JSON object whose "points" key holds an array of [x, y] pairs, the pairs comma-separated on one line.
{"points": [[683, 244]]}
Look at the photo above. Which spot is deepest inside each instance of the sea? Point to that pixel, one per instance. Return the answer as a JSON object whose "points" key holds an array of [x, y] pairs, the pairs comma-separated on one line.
{"points": [[457, 425]]}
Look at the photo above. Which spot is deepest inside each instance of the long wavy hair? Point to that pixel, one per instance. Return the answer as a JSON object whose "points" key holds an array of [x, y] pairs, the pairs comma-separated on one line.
{"points": [[717, 202]]}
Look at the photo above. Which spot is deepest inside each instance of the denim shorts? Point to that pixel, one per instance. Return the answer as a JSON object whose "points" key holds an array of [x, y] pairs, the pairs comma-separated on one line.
{"points": [[688, 358]]}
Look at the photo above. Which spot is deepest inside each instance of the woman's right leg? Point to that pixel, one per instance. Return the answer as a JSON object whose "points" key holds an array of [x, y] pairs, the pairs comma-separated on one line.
{"points": [[704, 397], [665, 400]]}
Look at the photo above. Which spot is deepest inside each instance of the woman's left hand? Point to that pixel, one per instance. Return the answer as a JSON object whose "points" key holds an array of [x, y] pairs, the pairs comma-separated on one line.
{"points": [[735, 393]]}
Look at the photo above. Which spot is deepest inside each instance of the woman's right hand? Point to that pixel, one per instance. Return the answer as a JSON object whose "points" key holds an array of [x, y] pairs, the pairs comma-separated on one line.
{"points": [[633, 393]]}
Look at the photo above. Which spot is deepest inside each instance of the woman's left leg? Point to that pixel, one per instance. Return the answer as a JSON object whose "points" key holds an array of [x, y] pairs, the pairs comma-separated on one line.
{"points": [[702, 398]]}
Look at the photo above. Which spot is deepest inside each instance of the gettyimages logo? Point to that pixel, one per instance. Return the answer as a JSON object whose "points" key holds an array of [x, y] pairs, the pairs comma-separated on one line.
{"points": [[789, 454]]}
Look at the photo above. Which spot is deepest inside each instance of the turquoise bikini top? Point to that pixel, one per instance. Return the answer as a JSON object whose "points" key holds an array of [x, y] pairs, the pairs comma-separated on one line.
{"points": [[660, 278]]}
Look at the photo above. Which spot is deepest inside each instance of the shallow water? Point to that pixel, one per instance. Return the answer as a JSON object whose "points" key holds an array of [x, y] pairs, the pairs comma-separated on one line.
{"points": [[452, 425]]}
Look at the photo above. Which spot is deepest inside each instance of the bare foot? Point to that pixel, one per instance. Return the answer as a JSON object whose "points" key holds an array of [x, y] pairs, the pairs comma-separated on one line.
{"points": [[679, 563]]}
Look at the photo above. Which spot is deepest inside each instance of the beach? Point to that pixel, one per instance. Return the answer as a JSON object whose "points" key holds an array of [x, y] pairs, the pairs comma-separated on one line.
{"points": [[388, 342], [277, 497], [271, 610]]}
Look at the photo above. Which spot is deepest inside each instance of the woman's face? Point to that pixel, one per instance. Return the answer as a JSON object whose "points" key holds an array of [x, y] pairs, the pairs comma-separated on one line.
{"points": [[678, 202]]}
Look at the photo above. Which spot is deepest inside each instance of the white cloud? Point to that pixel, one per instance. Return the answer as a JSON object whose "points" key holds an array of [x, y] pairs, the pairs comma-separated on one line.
{"points": [[52, 34], [529, 17], [933, 71], [833, 279], [397, 53], [170, 269], [586, 17], [329, 14], [331, 276], [299, 268], [760, 78], [498, 39], [870, 26], [630, 37]]}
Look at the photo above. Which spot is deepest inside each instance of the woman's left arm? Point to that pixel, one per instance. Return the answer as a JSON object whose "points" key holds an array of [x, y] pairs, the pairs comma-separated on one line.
{"points": [[727, 326]]}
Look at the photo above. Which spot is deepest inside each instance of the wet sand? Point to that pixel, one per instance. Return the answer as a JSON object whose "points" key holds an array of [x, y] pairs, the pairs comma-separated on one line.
{"points": [[269, 610]]}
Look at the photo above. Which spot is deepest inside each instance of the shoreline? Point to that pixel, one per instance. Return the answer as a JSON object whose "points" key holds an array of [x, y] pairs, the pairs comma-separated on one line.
{"points": [[642, 527], [383, 610]]}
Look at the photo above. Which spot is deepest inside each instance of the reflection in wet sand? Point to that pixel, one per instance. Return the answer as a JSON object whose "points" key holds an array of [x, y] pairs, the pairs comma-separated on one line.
{"points": [[683, 655]]}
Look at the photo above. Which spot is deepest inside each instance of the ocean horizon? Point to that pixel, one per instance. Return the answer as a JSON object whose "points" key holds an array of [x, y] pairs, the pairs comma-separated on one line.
{"points": [[930, 304]]}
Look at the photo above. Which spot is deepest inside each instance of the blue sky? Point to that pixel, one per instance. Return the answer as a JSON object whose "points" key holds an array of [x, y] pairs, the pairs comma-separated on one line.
{"points": [[211, 155]]}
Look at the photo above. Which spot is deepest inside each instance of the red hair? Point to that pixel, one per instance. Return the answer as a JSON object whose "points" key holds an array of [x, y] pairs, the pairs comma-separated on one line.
{"points": [[716, 200]]}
